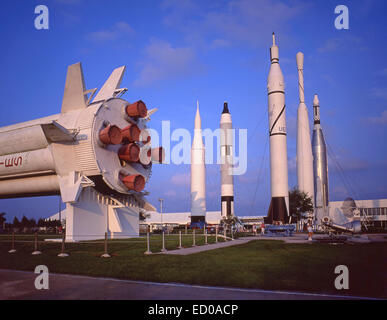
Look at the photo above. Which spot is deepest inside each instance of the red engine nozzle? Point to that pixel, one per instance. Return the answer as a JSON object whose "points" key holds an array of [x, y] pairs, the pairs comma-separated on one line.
{"points": [[131, 133], [129, 152], [110, 135], [137, 109], [134, 182]]}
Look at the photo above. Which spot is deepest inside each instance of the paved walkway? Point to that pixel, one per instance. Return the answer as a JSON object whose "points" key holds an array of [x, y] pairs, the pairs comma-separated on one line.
{"points": [[17, 285], [191, 250]]}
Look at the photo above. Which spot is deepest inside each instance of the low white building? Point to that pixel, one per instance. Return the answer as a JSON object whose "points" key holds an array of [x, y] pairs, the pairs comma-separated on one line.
{"points": [[178, 218], [371, 212]]}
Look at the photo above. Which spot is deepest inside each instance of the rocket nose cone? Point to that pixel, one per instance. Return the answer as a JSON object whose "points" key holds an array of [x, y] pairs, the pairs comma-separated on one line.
{"points": [[315, 100], [300, 60]]}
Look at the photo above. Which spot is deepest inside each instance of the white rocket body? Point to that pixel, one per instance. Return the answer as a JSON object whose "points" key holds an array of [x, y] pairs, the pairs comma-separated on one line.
{"points": [[198, 173], [279, 206], [304, 145], [226, 167], [76, 154]]}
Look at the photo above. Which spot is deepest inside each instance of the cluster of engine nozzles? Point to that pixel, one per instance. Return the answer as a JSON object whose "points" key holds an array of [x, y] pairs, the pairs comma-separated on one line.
{"points": [[130, 151]]}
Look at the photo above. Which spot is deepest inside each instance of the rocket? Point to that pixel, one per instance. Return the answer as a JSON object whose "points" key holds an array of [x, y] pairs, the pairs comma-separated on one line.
{"points": [[96, 154], [304, 146], [279, 206], [320, 165], [226, 154], [198, 173]]}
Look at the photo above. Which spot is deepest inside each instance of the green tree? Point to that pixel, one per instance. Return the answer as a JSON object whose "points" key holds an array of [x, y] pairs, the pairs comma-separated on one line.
{"points": [[299, 204], [16, 223]]}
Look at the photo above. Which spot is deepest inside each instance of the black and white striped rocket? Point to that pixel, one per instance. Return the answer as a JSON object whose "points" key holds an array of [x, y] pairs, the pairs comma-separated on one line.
{"points": [[226, 167], [279, 206]]}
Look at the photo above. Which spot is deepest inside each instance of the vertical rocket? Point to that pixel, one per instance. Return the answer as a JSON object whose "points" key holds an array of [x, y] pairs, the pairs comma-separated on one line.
{"points": [[279, 205], [198, 173], [226, 154], [304, 146], [320, 165]]}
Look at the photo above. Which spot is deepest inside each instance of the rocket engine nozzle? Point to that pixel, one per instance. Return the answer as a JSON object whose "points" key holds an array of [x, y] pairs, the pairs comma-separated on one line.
{"points": [[110, 135], [129, 152], [135, 182], [137, 109], [131, 133]]}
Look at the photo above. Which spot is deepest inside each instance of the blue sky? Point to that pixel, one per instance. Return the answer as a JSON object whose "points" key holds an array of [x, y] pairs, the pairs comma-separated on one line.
{"points": [[177, 51]]}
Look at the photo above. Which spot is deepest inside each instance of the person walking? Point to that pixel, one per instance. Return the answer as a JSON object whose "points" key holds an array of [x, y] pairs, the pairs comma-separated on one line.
{"points": [[262, 228], [310, 232]]}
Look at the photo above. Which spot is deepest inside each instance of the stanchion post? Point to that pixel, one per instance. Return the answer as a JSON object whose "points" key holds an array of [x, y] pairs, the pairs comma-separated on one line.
{"points": [[63, 254], [36, 251], [216, 234], [225, 233], [205, 235], [180, 246], [148, 251], [193, 238], [232, 235], [106, 254], [163, 248], [186, 229], [13, 250]]}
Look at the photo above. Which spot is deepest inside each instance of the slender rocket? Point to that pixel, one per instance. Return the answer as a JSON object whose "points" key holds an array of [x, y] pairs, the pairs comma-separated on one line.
{"points": [[320, 165], [278, 210], [226, 153], [198, 173], [304, 146]]}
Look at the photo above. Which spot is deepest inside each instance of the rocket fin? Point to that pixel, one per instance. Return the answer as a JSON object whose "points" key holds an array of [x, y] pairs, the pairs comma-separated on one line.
{"points": [[74, 92], [54, 132], [111, 85]]}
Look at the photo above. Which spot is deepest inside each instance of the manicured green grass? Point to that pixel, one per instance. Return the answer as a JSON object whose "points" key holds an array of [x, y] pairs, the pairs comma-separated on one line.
{"points": [[263, 264]]}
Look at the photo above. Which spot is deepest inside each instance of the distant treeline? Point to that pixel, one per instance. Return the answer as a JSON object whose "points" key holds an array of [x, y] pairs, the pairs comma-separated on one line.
{"points": [[27, 224]]}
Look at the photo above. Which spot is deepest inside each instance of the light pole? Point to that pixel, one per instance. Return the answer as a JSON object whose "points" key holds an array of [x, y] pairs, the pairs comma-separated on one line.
{"points": [[161, 211]]}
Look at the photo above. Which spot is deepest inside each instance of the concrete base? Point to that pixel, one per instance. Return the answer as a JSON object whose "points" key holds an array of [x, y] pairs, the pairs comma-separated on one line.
{"points": [[12, 251], [35, 253], [106, 255], [63, 255], [148, 252]]}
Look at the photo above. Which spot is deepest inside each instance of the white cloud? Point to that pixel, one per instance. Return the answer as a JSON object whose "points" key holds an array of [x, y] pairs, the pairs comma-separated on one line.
{"points": [[163, 61], [118, 30], [249, 21], [382, 119], [181, 179]]}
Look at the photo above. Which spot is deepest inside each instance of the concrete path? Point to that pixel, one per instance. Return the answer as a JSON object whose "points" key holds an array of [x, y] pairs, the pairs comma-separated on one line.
{"points": [[18, 285], [191, 250]]}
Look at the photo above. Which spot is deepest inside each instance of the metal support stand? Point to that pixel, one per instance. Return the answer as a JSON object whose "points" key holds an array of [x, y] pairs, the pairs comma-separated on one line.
{"points": [[216, 235], [147, 244], [193, 238], [163, 248], [180, 246], [13, 250], [63, 254], [106, 255], [205, 236], [36, 251]]}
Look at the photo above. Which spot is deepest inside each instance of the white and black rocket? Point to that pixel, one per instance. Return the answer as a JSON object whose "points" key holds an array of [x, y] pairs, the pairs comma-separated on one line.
{"points": [[226, 167], [279, 206]]}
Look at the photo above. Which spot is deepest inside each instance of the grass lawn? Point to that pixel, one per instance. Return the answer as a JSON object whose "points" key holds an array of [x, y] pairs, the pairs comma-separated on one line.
{"points": [[263, 264]]}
